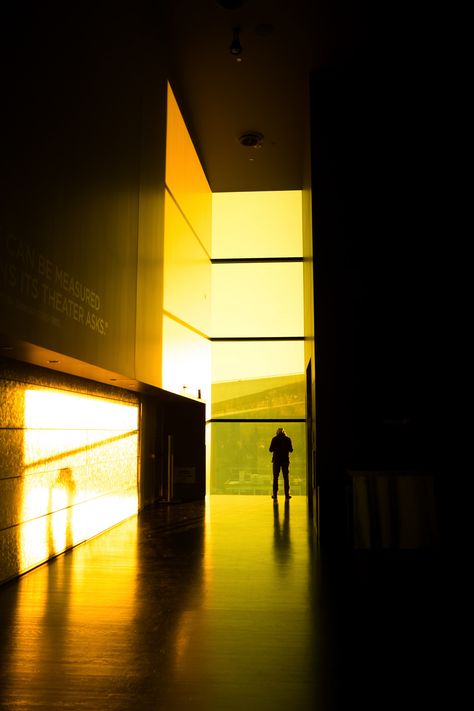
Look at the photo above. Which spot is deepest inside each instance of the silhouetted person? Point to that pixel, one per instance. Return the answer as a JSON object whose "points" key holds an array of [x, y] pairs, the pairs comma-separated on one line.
{"points": [[281, 447]]}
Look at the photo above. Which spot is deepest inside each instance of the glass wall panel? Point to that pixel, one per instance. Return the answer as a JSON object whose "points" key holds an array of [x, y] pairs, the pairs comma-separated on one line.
{"points": [[186, 361], [264, 299], [187, 272], [241, 462], [282, 396], [184, 176], [257, 224], [262, 379], [248, 360]]}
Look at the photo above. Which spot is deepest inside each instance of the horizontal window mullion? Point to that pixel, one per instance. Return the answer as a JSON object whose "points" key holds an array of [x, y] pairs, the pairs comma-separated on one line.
{"points": [[213, 420], [220, 339], [256, 260]]}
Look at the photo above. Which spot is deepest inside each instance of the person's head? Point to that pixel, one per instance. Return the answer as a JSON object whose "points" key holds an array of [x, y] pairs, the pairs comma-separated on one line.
{"points": [[280, 431]]}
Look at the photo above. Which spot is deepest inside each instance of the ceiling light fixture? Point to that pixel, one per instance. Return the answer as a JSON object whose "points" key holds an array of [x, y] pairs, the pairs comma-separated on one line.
{"points": [[235, 47], [251, 139]]}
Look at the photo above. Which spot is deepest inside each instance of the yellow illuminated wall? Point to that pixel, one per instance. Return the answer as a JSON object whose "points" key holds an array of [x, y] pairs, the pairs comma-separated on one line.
{"points": [[258, 379], [68, 470], [187, 265]]}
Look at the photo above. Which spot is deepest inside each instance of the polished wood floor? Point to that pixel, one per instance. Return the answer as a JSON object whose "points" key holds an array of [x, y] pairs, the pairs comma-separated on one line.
{"points": [[219, 606]]}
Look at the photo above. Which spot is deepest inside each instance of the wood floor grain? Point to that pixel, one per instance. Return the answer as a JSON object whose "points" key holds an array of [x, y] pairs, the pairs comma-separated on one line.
{"points": [[213, 607]]}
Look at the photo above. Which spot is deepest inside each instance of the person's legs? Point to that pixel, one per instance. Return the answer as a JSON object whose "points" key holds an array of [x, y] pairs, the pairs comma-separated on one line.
{"points": [[276, 472], [285, 468]]}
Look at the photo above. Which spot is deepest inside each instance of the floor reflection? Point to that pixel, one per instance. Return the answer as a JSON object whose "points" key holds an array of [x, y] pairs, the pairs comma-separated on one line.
{"points": [[220, 608], [283, 551], [72, 622], [184, 607]]}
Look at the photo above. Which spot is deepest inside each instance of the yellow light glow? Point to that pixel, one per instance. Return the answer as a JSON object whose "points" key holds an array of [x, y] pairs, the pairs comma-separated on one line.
{"points": [[185, 177], [186, 353], [45, 409], [185, 631], [249, 360], [257, 300], [247, 300], [257, 224], [80, 470], [256, 379], [278, 537], [187, 272], [186, 361], [241, 462]]}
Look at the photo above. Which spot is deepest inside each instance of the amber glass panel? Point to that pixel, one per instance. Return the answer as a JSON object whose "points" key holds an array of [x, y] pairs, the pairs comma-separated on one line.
{"points": [[187, 272], [185, 177], [253, 300], [241, 462], [248, 360], [257, 224], [186, 361], [262, 379], [262, 398]]}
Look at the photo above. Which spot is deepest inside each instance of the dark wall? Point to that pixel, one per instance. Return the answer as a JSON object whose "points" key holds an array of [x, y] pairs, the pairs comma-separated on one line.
{"points": [[375, 248], [172, 443], [184, 422], [75, 185], [153, 465]]}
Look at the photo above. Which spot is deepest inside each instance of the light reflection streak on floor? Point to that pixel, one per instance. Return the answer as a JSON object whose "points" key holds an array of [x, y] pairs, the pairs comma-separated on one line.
{"points": [[164, 619]]}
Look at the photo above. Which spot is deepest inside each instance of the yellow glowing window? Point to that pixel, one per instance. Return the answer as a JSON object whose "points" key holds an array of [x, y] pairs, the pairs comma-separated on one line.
{"points": [[264, 299], [241, 462], [257, 224], [250, 380], [264, 398], [248, 360]]}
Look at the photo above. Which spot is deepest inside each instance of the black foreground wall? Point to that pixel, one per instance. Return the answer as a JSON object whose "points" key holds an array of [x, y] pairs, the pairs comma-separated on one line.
{"points": [[375, 229]]}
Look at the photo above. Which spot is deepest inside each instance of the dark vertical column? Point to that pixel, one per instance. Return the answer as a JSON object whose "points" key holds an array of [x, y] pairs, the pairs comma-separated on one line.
{"points": [[374, 227], [184, 423], [309, 443], [152, 465]]}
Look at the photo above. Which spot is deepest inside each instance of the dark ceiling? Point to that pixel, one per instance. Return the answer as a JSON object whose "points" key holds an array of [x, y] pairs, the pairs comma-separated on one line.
{"points": [[267, 91]]}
